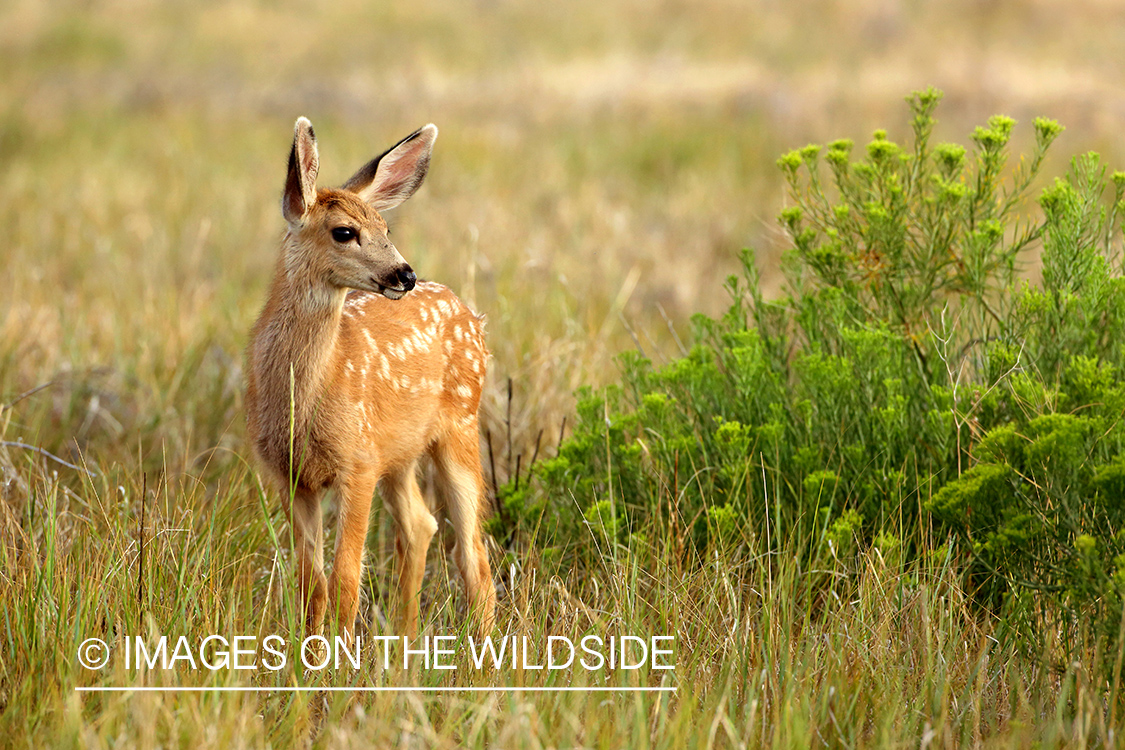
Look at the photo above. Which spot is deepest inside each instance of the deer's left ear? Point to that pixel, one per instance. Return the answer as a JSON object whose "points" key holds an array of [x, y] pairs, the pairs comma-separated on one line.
{"points": [[300, 182], [389, 179]]}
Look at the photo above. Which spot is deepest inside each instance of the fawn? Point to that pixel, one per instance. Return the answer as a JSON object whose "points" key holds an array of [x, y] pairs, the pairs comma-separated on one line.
{"points": [[355, 371]]}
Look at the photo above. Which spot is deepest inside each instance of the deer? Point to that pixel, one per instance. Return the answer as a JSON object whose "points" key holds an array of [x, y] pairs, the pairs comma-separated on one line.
{"points": [[356, 371]]}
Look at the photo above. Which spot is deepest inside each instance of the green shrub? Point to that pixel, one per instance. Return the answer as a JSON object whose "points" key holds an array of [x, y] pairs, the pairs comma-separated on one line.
{"points": [[910, 384]]}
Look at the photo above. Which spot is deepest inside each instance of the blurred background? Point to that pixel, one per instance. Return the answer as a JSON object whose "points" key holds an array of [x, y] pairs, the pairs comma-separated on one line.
{"points": [[600, 164]]}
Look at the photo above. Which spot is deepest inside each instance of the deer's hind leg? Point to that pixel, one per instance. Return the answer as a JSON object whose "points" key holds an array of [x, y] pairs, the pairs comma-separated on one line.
{"points": [[414, 528], [457, 462]]}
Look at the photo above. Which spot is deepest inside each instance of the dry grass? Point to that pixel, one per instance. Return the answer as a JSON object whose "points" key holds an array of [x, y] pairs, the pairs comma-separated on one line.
{"points": [[599, 165], [603, 160]]}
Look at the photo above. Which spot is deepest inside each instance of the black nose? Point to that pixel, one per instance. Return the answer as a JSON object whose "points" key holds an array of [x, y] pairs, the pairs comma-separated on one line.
{"points": [[406, 277]]}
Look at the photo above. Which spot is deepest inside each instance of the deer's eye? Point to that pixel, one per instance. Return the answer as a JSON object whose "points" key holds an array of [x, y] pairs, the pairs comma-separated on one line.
{"points": [[343, 235]]}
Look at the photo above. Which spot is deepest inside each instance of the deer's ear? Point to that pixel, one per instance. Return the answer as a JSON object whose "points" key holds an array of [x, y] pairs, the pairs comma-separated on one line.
{"points": [[300, 183], [389, 179]]}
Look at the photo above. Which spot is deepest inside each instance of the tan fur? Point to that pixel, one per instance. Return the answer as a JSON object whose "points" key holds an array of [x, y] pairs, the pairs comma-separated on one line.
{"points": [[348, 389]]}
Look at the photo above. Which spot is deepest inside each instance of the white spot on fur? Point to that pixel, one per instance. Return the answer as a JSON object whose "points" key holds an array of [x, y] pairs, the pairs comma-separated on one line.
{"points": [[354, 304]]}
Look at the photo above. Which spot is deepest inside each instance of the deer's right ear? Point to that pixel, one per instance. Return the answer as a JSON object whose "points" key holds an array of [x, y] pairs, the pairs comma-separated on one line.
{"points": [[389, 179], [300, 183]]}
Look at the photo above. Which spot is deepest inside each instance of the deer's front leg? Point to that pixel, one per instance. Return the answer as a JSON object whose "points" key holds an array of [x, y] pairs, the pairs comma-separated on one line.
{"points": [[308, 544], [351, 538]]}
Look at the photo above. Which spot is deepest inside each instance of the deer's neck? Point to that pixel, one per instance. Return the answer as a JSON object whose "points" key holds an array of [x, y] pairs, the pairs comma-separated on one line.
{"points": [[295, 344]]}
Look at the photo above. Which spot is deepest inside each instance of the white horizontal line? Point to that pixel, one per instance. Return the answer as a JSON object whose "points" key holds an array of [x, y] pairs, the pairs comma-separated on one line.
{"points": [[373, 689]]}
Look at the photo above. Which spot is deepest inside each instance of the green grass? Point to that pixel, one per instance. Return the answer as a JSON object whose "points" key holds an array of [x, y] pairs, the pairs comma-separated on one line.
{"points": [[597, 163], [766, 654]]}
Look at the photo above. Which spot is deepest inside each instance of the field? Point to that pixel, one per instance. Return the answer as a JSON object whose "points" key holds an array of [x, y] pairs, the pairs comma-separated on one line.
{"points": [[600, 165]]}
